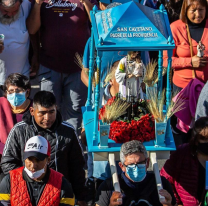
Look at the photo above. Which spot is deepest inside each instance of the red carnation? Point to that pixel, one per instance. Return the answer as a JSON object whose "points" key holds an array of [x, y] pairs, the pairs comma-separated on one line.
{"points": [[142, 130]]}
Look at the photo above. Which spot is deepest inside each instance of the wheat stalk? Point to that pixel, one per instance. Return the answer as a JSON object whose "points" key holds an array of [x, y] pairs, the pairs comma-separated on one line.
{"points": [[176, 106], [78, 60], [110, 74], [155, 78], [150, 70], [155, 104], [115, 110], [151, 76]]}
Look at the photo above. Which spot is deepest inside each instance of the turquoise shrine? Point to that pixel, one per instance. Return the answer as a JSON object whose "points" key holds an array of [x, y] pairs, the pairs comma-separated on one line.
{"points": [[127, 27]]}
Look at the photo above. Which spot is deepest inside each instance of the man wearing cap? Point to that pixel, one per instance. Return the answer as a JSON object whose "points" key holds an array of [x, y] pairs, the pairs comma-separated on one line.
{"points": [[66, 154], [36, 184]]}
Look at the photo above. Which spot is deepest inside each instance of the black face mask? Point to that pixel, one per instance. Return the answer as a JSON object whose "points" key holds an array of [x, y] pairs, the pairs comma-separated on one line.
{"points": [[203, 148]]}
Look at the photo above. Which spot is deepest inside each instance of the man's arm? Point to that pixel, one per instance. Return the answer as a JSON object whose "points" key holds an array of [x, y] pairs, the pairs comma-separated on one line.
{"points": [[5, 191], [11, 157], [67, 196], [34, 20], [35, 41]]}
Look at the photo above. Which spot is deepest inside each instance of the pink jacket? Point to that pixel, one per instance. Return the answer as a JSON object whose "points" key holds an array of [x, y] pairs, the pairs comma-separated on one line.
{"points": [[6, 121], [181, 170], [190, 95]]}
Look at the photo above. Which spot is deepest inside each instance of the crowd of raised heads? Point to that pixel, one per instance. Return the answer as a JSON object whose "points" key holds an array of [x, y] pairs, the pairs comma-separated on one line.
{"points": [[43, 145]]}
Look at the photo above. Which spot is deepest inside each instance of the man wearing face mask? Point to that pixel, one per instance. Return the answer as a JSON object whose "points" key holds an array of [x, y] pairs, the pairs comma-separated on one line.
{"points": [[138, 187], [36, 184], [66, 155]]}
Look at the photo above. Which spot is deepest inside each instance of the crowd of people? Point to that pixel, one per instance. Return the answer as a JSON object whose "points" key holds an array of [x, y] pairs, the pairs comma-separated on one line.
{"points": [[42, 137]]}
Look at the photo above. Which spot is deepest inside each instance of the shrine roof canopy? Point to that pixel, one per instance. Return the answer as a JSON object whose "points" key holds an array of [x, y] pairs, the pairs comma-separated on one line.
{"points": [[131, 26]]}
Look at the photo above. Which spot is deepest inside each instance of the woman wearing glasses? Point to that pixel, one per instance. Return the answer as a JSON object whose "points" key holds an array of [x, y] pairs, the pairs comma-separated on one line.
{"points": [[15, 103]]}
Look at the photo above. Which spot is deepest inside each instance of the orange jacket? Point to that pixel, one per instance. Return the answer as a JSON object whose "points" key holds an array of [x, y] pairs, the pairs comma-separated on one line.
{"points": [[181, 60], [19, 193]]}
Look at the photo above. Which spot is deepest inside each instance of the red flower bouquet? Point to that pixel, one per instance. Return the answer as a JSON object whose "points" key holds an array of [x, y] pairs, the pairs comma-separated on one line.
{"points": [[124, 126], [142, 130]]}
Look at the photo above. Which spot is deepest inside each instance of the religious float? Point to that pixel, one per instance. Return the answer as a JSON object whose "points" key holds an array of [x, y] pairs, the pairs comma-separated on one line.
{"points": [[129, 27]]}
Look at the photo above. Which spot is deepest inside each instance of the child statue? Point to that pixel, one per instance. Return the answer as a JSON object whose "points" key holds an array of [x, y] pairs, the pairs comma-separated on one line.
{"points": [[129, 74], [200, 49]]}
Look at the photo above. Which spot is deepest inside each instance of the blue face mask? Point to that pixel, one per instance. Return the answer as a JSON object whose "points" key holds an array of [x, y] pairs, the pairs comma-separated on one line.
{"points": [[16, 99], [137, 173]]}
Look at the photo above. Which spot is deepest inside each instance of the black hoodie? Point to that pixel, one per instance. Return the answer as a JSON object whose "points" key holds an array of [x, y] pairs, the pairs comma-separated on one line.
{"points": [[66, 153]]}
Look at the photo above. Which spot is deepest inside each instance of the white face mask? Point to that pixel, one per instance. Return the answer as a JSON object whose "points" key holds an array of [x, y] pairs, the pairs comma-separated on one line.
{"points": [[34, 175]]}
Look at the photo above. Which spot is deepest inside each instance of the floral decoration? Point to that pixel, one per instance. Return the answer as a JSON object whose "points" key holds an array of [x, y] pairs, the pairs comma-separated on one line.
{"points": [[123, 126], [142, 130]]}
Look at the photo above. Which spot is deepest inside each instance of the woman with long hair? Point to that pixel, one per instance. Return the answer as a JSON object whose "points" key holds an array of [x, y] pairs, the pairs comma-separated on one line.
{"points": [[185, 169]]}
